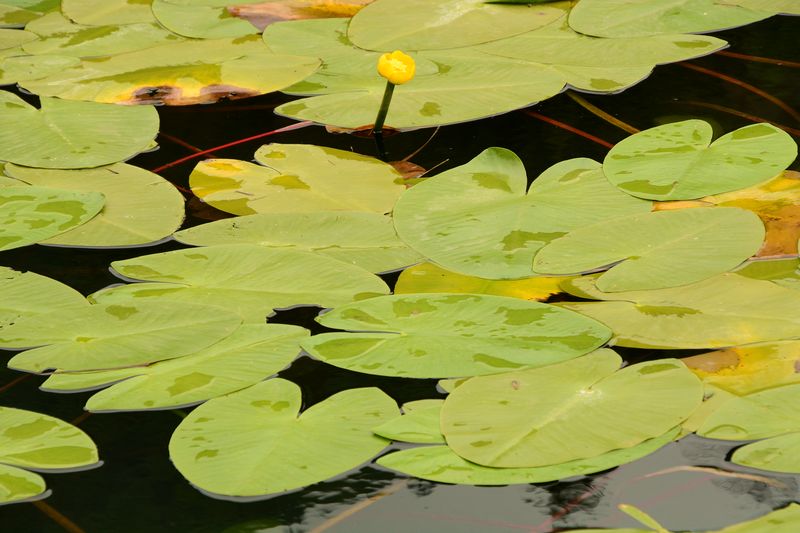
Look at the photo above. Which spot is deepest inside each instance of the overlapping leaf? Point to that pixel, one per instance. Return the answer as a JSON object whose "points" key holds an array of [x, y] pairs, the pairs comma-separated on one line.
{"points": [[17, 485], [477, 219], [249, 279], [787, 7], [17, 13], [782, 272], [18, 68], [253, 443], [446, 335], [668, 248], [25, 294], [419, 423], [574, 410], [778, 454], [199, 20], [767, 413], [100, 12], [262, 14]]}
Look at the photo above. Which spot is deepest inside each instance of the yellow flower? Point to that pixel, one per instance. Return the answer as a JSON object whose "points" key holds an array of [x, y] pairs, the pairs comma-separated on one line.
{"points": [[396, 67]]}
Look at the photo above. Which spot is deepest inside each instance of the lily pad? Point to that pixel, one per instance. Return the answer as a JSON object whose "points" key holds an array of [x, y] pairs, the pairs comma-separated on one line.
{"points": [[114, 336], [262, 14], [767, 413], [34, 214], [140, 207], [638, 18], [727, 310], [69, 135], [430, 278], [40, 442], [250, 354], [448, 335], [367, 240], [477, 219], [783, 272], [298, 178], [25, 294], [18, 68], [441, 464], [678, 161], [13, 38], [668, 248], [778, 454], [249, 279], [416, 424], [100, 12], [17, 13], [387, 25], [253, 443], [182, 73], [574, 410], [787, 7], [198, 21], [17, 485]]}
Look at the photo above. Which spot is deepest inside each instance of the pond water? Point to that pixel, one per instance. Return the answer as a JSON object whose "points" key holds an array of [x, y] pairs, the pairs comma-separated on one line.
{"points": [[137, 489]]}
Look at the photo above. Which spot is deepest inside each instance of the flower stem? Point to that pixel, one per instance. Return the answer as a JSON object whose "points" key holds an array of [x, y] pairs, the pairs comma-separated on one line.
{"points": [[384, 110]]}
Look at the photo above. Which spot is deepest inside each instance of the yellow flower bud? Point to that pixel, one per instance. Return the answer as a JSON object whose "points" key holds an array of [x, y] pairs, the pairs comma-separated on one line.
{"points": [[396, 67]]}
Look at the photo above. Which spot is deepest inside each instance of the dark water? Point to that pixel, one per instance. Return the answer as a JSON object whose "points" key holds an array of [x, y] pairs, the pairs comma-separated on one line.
{"points": [[138, 490]]}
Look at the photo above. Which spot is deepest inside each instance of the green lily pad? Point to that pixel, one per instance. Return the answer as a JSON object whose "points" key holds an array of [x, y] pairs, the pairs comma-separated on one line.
{"points": [[140, 207], [441, 464], [41, 442], [778, 454], [668, 248], [114, 336], [101, 12], [783, 272], [574, 410], [34, 214], [182, 73], [13, 38], [17, 485], [192, 19], [253, 443], [762, 414], [477, 219], [298, 178], [447, 335], [367, 240], [17, 13], [639, 18], [65, 134], [250, 354], [787, 7], [416, 424], [726, 310], [20, 68], [25, 294], [388, 25], [249, 279], [677, 161]]}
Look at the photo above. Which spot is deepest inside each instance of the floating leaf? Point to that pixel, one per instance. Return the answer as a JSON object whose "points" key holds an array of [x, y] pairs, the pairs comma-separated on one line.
{"points": [[250, 354], [441, 464], [767, 413], [367, 240], [25, 294], [438, 336], [262, 14], [387, 25], [668, 248], [19, 68], [17, 13], [114, 336], [182, 73], [574, 410], [417, 424], [782, 272], [727, 310], [65, 134], [677, 161], [249, 279], [298, 178], [253, 443], [41, 442], [787, 7], [140, 207], [198, 21], [713, 398], [33, 214], [747, 369], [639, 18], [778, 454], [428, 277], [17, 485], [100, 12], [13, 38], [477, 219]]}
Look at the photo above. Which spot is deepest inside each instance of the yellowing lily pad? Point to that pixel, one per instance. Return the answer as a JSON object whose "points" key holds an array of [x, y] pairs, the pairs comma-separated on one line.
{"points": [[428, 277], [668, 248], [300, 179], [262, 14], [447, 335], [34, 214], [573, 410], [198, 21], [677, 161], [65, 134], [255, 443], [478, 219], [114, 336], [249, 279], [140, 207], [367, 240]]}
